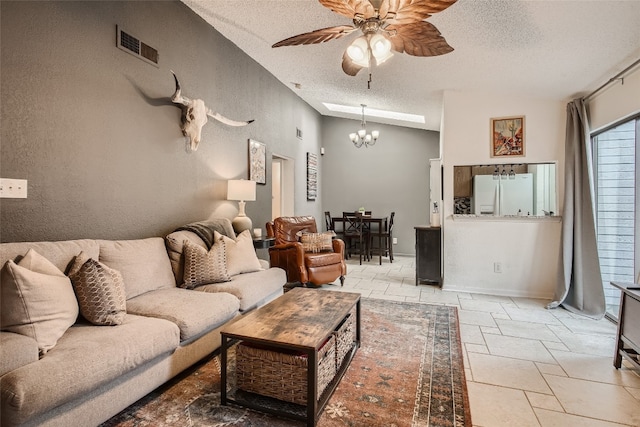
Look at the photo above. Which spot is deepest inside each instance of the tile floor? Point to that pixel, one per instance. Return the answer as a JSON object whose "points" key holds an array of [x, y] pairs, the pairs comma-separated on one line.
{"points": [[525, 365]]}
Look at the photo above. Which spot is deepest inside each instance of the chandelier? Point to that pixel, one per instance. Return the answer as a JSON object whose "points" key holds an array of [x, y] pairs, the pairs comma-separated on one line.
{"points": [[361, 137]]}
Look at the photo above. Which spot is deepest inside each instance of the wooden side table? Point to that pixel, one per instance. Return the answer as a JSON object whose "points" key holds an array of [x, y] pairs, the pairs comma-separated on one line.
{"points": [[628, 338]]}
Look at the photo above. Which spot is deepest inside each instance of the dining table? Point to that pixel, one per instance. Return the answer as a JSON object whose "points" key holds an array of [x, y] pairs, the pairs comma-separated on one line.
{"points": [[375, 226]]}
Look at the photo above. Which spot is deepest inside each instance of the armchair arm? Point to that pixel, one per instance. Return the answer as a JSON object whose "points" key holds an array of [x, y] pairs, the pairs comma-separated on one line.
{"points": [[338, 246], [289, 257]]}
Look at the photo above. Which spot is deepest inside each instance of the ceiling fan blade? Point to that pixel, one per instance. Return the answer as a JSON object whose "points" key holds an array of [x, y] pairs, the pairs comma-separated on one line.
{"points": [[348, 66], [418, 39], [350, 8], [406, 11], [317, 36]]}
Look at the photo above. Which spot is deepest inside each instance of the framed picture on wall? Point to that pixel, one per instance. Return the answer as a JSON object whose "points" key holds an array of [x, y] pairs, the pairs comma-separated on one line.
{"points": [[257, 162], [312, 176], [507, 136]]}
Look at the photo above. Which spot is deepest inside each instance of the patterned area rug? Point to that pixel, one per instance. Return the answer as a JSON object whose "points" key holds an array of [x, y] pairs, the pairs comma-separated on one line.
{"points": [[407, 372]]}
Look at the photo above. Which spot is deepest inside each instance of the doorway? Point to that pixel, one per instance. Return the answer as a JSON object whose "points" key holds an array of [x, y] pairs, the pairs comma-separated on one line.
{"points": [[282, 194]]}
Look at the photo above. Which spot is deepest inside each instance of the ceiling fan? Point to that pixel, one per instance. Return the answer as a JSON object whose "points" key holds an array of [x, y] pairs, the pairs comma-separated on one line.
{"points": [[386, 25]]}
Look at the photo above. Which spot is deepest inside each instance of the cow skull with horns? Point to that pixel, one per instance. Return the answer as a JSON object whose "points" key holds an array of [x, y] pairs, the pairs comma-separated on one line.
{"points": [[194, 116]]}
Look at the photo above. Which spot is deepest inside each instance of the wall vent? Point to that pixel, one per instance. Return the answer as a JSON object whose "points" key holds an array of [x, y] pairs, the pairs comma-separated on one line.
{"points": [[298, 133], [135, 47]]}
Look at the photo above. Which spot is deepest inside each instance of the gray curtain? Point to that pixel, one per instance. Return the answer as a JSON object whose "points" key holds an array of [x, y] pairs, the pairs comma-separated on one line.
{"points": [[579, 287]]}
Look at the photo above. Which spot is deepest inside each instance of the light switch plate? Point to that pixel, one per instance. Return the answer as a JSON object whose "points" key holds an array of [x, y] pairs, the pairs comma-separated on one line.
{"points": [[13, 188]]}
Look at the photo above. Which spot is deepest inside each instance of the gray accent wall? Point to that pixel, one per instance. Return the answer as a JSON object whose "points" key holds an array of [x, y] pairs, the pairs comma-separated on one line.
{"points": [[92, 130], [392, 175]]}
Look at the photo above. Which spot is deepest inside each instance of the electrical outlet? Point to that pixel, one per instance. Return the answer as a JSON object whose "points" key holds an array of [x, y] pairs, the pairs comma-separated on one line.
{"points": [[13, 188], [497, 267], [395, 240]]}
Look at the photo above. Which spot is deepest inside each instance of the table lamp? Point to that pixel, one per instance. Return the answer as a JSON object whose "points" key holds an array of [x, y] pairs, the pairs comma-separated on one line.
{"points": [[241, 190]]}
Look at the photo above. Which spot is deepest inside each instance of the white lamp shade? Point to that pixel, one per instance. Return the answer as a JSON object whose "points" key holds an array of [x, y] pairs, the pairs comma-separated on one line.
{"points": [[352, 137], [358, 51], [362, 133], [380, 48], [240, 189], [375, 134]]}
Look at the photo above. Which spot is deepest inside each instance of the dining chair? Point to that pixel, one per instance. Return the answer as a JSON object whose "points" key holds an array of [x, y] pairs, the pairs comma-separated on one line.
{"points": [[387, 238], [328, 222], [381, 239], [355, 236]]}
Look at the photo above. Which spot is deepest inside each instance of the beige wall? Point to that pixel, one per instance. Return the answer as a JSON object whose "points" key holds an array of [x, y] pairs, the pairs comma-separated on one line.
{"points": [[527, 249], [618, 100]]}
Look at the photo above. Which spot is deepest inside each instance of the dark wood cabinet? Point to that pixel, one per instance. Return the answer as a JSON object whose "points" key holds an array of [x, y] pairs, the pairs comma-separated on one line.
{"points": [[628, 340], [462, 182], [428, 255]]}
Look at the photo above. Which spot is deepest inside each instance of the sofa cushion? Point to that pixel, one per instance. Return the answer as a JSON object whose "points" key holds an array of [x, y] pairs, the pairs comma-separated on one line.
{"points": [[85, 358], [143, 263], [252, 289], [175, 248], [16, 350], [241, 255], [37, 300], [202, 266], [193, 312], [61, 254], [175, 240], [100, 291]]}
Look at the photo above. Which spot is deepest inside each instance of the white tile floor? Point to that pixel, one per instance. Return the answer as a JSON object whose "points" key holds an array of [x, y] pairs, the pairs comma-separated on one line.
{"points": [[525, 365]]}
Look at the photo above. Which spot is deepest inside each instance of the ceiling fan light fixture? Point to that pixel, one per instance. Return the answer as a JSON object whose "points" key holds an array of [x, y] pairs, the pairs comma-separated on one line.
{"points": [[380, 48], [380, 20], [358, 51]]}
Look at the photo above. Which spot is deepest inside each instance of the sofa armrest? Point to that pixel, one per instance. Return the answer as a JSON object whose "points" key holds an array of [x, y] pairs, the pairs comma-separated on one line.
{"points": [[15, 351]]}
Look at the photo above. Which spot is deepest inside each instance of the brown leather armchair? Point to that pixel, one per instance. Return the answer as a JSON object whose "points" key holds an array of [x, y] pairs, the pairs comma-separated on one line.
{"points": [[315, 268]]}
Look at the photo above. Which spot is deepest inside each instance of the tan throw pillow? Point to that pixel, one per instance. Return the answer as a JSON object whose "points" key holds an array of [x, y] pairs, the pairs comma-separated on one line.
{"points": [[202, 267], [317, 242], [100, 291], [241, 255], [37, 300]]}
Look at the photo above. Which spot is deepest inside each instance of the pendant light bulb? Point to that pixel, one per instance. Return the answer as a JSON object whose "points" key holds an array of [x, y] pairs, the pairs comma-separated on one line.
{"points": [[358, 51], [380, 48]]}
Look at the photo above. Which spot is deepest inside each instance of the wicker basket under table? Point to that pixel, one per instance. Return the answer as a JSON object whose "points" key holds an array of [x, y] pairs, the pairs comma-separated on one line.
{"points": [[345, 337], [281, 374]]}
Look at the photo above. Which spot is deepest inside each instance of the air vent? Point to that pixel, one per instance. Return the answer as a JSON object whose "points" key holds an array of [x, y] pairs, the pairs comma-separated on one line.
{"points": [[298, 133], [135, 47]]}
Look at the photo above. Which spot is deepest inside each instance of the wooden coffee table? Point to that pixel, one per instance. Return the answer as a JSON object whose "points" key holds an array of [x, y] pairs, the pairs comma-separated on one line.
{"points": [[301, 320]]}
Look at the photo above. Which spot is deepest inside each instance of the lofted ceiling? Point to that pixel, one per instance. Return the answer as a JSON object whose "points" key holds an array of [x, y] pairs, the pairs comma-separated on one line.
{"points": [[551, 49]]}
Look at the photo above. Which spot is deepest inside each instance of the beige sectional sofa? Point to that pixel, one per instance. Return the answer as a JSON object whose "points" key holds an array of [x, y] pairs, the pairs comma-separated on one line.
{"points": [[93, 372]]}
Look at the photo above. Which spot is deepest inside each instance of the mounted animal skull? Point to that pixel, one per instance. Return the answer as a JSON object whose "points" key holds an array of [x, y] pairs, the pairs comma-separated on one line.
{"points": [[194, 116]]}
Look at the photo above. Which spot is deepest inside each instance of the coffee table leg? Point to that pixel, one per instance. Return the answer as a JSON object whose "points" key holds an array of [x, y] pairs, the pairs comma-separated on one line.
{"points": [[223, 374], [312, 387], [358, 337]]}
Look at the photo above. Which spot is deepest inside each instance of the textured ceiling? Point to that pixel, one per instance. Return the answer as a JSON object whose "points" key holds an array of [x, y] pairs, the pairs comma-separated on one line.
{"points": [[535, 48]]}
